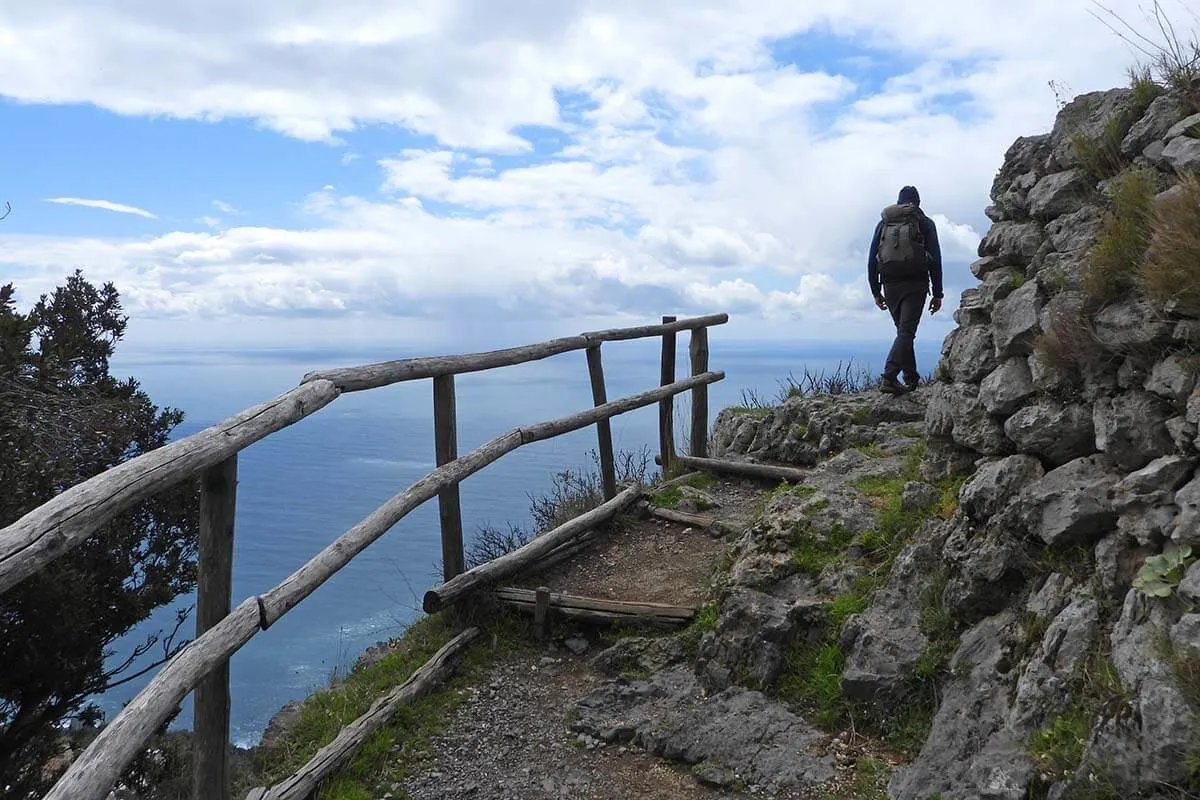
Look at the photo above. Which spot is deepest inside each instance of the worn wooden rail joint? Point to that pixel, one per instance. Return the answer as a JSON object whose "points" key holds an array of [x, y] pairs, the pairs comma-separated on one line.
{"points": [[34, 541]]}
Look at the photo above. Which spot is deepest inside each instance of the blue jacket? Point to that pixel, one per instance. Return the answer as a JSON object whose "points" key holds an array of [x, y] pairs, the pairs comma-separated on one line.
{"points": [[929, 231]]}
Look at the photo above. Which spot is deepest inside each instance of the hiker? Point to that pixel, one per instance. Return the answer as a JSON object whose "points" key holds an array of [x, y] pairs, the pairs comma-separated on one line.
{"points": [[905, 258]]}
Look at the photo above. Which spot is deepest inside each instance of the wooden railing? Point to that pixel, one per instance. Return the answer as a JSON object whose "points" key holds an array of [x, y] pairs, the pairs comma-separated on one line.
{"points": [[62, 523]]}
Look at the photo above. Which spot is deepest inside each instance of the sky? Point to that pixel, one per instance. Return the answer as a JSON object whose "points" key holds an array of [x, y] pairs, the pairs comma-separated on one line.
{"points": [[448, 171]]}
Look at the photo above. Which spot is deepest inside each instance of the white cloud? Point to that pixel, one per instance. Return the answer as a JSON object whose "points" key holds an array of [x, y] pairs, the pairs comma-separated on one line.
{"points": [[702, 171], [106, 205]]}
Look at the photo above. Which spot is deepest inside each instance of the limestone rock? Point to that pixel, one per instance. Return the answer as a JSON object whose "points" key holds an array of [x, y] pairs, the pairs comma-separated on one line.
{"points": [[1188, 126], [1131, 429], [993, 484], [1075, 232], [1186, 525], [1154, 124], [752, 631], [1089, 117], [919, 496], [987, 568], [1041, 689], [1183, 155], [1055, 431], [981, 267], [1049, 375], [996, 286], [1130, 324], [1012, 242], [1070, 504], [1007, 387], [1015, 321], [1023, 162], [1058, 194], [1174, 378], [972, 354], [971, 309], [954, 412]]}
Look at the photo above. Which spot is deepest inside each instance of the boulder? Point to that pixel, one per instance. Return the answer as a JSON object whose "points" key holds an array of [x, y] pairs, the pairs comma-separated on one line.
{"points": [[1130, 324], [1075, 232], [1012, 243], [1188, 126], [987, 567], [1055, 431], [1070, 504], [1165, 474], [972, 354], [1090, 117], [1058, 194], [981, 267], [1182, 154], [1068, 640], [971, 309], [1025, 155], [1158, 119], [1185, 528], [954, 412], [1015, 321], [1007, 387], [998, 285], [1131, 429], [993, 484], [1174, 378]]}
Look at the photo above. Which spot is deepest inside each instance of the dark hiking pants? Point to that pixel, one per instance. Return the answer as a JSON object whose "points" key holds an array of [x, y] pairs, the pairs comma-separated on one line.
{"points": [[906, 302]]}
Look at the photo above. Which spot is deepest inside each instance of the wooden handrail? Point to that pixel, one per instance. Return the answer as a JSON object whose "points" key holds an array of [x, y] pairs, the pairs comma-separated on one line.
{"points": [[96, 771], [385, 373], [62, 522]]}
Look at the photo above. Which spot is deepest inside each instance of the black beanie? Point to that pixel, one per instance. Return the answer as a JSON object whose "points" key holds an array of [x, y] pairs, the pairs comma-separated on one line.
{"points": [[909, 194]]}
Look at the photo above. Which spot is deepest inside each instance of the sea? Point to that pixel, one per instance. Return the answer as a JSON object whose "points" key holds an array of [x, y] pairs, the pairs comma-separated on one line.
{"points": [[302, 487]]}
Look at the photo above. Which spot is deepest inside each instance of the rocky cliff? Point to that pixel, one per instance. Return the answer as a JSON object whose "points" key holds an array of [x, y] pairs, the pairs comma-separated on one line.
{"points": [[991, 576]]}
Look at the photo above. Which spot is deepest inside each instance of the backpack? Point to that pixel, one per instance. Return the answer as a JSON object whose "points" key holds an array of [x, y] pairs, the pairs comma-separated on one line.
{"points": [[901, 248]]}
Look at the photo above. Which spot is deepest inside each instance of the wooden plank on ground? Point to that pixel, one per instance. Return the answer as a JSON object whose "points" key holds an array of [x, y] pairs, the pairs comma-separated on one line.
{"points": [[607, 609]]}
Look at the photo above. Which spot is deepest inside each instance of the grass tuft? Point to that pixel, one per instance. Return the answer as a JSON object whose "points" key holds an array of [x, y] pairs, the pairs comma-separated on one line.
{"points": [[1111, 269], [1171, 269]]}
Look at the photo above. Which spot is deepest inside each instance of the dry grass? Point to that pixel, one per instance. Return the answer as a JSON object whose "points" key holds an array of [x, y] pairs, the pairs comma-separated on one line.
{"points": [[1174, 58], [1170, 271], [1067, 340], [1111, 269]]}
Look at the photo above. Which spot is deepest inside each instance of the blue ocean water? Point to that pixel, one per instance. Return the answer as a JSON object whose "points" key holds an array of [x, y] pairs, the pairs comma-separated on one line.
{"points": [[302, 487]]}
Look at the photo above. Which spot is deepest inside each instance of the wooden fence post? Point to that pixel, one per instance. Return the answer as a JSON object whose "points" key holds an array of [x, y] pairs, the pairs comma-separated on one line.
{"points": [[698, 350], [608, 471], [445, 435], [214, 592], [666, 406]]}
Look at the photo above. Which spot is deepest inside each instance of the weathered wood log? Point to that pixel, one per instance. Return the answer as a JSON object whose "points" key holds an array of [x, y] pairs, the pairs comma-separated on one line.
{"points": [[214, 595], [645, 331], [385, 373], [527, 555], [700, 521], [445, 436], [541, 612], [427, 678], [560, 554], [698, 352], [666, 406], [595, 608], [679, 481], [608, 471], [92, 775], [744, 468], [59, 524]]}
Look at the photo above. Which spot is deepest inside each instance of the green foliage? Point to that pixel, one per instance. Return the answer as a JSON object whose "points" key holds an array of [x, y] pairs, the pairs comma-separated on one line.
{"points": [[1101, 158], [813, 551], [1058, 748], [1111, 268], [812, 679], [705, 620], [1016, 278], [1145, 89], [869, 781], [846, 378], [1161, 574], [871, 450], [63, 419]]}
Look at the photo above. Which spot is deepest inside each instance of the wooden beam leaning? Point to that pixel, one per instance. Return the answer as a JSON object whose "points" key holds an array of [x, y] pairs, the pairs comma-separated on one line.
{"points": [[745, 468], [92, 775], [666, 406], [698, 353], [424, 680], [61, 523], [445, 435], [608, 470], [527, 555], [385, 373], [214, 593]]}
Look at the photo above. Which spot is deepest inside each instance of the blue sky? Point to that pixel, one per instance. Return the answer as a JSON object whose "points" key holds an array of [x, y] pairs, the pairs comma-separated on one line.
{"points": [[355, 169]]}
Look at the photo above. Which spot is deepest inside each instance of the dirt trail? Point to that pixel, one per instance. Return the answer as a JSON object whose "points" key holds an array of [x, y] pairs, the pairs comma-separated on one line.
{"points": [[512, 737]]}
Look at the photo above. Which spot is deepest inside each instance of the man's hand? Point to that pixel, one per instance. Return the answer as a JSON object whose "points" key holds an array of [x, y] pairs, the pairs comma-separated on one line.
{"points": [[881, 303], [935, 305]]}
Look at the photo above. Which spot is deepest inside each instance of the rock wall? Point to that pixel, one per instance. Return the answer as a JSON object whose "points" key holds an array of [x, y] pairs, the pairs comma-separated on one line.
{"points": [[1074, 423]]}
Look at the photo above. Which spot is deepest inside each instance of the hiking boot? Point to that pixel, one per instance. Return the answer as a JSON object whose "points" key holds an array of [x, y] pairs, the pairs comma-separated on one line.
{"points": [[890, 386]]}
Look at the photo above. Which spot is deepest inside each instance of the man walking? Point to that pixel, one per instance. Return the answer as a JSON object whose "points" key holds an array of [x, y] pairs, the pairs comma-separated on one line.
{"points": [[903, 261]]}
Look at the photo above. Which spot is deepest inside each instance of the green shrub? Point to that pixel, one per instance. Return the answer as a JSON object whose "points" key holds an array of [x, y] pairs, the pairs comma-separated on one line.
{"points": [[1112, 266]]}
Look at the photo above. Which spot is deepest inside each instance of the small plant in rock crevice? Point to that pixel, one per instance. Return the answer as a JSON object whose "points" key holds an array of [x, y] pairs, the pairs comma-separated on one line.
{"points": [[1111, 269], [1170, 271], [1160, 575]]}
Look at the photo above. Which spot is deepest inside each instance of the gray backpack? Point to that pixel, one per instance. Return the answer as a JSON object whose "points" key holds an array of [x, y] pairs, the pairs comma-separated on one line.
{"points": [[901, 252]]}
